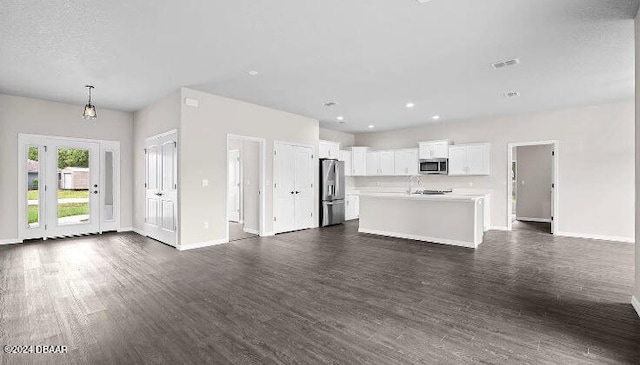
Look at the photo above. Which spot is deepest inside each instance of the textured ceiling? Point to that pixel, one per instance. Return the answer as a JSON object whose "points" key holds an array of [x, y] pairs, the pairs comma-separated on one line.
{"points": [[370, 56]]}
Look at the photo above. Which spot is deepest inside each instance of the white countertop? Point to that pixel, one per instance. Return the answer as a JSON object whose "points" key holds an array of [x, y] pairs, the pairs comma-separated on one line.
{"points": [[445, 197]]}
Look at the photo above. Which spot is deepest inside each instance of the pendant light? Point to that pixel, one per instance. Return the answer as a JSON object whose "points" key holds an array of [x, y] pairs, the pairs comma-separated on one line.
{"points": [[89, 110]]}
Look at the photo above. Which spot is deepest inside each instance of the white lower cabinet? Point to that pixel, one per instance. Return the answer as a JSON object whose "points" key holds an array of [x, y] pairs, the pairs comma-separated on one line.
{"points": [[352, 209]]}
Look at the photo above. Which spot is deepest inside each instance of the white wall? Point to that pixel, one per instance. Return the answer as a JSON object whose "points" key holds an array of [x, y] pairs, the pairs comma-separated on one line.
{"points": [[33, 116], [535, 175], [203, 136], [345, 139], [591, 202], [157, 118]]}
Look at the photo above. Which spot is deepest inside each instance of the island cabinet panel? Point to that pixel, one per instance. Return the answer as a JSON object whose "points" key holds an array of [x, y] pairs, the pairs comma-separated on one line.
{"points": [[447, 219]]}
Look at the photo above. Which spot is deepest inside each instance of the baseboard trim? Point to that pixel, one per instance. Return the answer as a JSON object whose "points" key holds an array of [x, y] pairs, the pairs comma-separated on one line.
{"points": [[498, 228], [252, 231], [636, 304], [537, 220], [11, 241], [268, 234], [419, 238], [132, 229], [203, 244], [596, 237]]}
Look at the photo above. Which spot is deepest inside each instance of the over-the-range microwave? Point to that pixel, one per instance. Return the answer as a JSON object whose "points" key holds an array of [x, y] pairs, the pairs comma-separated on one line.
{"points": [[437, 166]]}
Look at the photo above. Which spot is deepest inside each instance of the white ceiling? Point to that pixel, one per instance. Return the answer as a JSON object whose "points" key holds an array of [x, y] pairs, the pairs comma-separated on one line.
{"points": [[370, 56]]}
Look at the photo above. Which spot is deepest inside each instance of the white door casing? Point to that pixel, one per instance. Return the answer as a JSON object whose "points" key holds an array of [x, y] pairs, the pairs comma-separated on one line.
{"points": [[48, 224], [161, 188], [234, 182]]}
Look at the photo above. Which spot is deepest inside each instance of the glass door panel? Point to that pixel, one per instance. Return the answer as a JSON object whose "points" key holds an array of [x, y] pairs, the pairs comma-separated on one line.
{"points": [[33, 188], [73, 186]]}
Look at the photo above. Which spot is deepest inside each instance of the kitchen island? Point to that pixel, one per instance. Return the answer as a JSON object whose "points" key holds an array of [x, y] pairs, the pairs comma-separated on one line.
{"points": [[447, 219]]}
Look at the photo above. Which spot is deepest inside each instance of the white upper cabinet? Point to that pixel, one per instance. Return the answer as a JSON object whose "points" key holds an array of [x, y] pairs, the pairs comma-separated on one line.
{"points": [[373, 163], [406, 162], [329, 149], [359, 161], [470, 159], [434, 149], [345, 156], [380, 163]]}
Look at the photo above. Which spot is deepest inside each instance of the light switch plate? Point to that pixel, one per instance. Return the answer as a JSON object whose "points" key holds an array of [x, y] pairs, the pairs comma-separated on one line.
{"points": [[205, 183]]}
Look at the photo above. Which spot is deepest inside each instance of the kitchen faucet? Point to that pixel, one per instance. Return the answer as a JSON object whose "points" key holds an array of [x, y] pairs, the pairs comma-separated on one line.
{"points": [[411, 178]]}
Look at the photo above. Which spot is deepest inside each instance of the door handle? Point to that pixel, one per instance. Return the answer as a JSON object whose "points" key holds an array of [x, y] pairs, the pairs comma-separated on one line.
{"points": [[159, 194], [292, 192], [95, 191], [297, 192]]}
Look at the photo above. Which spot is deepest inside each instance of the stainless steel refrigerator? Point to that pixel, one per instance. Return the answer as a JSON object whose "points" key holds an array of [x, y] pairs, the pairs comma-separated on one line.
{"points": [[331, 192]]}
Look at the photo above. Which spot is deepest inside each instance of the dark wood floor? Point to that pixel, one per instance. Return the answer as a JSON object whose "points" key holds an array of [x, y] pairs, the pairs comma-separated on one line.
{"points": [[541, 227], [321, 296]]}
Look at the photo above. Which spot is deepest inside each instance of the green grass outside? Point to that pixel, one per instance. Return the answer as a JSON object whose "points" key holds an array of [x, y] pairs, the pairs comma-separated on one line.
{"points": [[62, 194], [64, 210]]}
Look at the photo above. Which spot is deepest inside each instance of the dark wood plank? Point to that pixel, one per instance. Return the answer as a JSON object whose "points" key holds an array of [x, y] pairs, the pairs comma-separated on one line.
{"points": [[321, 296]]}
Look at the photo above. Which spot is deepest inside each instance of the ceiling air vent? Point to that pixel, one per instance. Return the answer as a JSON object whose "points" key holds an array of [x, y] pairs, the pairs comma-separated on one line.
{"points": [[511, 94], [507, 63]]}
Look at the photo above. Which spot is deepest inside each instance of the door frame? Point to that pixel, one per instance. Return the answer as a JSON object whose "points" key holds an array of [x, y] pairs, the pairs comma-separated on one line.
{"points": [[262, 151], [25, 139], [240, 187], [314, 170], [555, 221]]}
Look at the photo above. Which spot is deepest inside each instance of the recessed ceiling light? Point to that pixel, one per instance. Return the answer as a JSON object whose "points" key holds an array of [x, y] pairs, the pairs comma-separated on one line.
{"points": [[340, 117], [435, 117], [410, 105], [253, 73], [372, 126]]}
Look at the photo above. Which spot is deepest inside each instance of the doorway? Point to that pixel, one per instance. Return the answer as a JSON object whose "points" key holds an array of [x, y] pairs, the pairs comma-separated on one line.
{"points": [[67, 186], [245, 186], [532, 186]]}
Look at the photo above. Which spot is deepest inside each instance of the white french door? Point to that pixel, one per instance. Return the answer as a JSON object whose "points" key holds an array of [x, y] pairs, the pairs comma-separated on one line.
{"points": [[67, 186], [161, 187], [234, 186], [293, 187]]}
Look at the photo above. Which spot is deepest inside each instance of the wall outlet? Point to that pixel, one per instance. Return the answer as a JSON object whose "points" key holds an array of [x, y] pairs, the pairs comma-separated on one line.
{"points": [[206, 225], [205, 182], [378, 183], [470, 183]]}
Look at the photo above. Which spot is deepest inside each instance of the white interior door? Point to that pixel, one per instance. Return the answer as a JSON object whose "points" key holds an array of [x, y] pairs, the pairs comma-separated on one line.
{"points": [[233, 186], [284, 188], [293, 187], [161, 188], [303, 187]]}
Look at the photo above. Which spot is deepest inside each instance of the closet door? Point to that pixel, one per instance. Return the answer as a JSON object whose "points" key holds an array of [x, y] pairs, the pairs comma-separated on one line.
{"points": [[293, 187], [284, 188], [303, 187]]}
